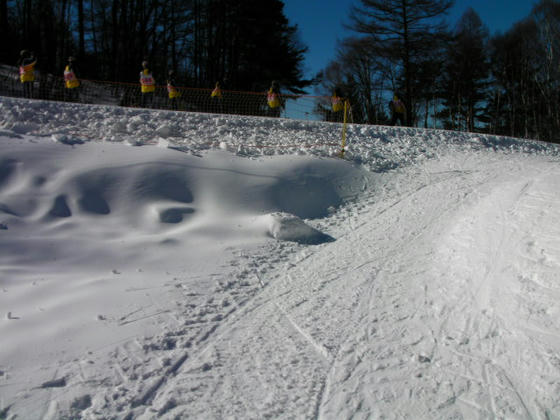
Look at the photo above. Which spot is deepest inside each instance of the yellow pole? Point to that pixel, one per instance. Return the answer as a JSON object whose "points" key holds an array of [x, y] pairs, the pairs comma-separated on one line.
{"points": [[344, 129]]}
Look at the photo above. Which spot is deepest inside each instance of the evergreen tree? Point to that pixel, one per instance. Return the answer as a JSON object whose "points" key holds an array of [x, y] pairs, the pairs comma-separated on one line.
{"points": [[249, 43], [257, 45]]}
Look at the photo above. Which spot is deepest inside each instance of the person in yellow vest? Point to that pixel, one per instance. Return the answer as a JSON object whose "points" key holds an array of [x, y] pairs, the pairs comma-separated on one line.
{"points": [[217, 92], [274, 100], [147, 85], [26, 66], [216, 99], [172, 90], [398, 110], [71, 81], [337, 104]]}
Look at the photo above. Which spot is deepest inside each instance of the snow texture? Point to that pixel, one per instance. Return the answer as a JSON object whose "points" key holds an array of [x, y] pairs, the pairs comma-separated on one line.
{"points": [[236, 267]]}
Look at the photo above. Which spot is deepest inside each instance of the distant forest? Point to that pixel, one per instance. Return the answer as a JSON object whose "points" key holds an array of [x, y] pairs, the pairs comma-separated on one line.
{"points": [[244, 44], [458, 78]]}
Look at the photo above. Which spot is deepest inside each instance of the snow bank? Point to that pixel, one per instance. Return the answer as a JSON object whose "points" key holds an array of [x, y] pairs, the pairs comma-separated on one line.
{"points": [[375, 147]]}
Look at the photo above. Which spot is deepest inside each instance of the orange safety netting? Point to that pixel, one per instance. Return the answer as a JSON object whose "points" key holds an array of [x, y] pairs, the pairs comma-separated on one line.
{"points": [[301, 107]]}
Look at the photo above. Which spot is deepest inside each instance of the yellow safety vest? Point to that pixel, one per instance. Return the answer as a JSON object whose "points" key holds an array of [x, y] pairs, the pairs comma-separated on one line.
{"points": [[173, 92], [216, 93], [273, 99], [70, 78], [337, 104], [27, 72], [398, 106], [147, 81]]}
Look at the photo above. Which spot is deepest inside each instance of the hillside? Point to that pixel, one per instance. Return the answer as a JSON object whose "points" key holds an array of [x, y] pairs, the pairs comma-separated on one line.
{"points": [[162, 265]]}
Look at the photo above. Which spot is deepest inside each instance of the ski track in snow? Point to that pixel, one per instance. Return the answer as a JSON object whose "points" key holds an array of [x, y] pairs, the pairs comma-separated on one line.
{"points": [[438, 299], [376, 355]]}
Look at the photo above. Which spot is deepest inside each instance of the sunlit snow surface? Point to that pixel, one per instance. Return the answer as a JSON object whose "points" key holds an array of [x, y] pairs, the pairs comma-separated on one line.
{"points": [[236, 267]]}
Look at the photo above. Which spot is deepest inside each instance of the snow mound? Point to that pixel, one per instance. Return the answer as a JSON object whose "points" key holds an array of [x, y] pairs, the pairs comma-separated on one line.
{"points": [[287, 227]]}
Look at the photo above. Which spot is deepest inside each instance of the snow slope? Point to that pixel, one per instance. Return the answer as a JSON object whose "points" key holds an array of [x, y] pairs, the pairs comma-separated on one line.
{"points": [[234, 267]]}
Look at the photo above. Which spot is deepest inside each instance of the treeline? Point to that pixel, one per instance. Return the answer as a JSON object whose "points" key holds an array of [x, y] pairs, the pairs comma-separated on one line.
{"points": [[244, 44], [459, 79]]}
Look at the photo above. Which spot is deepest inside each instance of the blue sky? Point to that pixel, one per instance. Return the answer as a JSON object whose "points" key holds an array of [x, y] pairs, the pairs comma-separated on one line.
{"points": [[321, 22]]}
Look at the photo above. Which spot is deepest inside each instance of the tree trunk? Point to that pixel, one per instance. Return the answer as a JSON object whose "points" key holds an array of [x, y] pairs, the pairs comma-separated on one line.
{"points": [[81, 31], [4, 29], [115, 40], [407, 72], [60, 46]]}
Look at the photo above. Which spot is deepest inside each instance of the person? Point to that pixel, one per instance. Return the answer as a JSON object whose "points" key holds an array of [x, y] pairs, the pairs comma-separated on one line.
{"points": [[172, 90], [71, 81], [26, 66], [216, 98], [148, 86], [398, 110], [274, 100], [337, 104]]}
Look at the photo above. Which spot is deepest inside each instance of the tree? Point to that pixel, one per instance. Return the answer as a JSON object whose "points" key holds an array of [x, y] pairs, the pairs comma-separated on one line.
{"points": [[360, 73], [428, 82], [267, 47], [249, 42], [525, 67], [404, 31], [546, 15], [466, 74], [81, 30], [4, 28]]}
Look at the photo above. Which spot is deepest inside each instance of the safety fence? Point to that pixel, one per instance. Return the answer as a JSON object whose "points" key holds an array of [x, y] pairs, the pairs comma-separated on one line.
{"points": [[301, 107]]}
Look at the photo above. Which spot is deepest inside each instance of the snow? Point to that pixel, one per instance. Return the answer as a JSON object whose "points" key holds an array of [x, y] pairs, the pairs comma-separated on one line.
{"points": [[235, 267]]}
